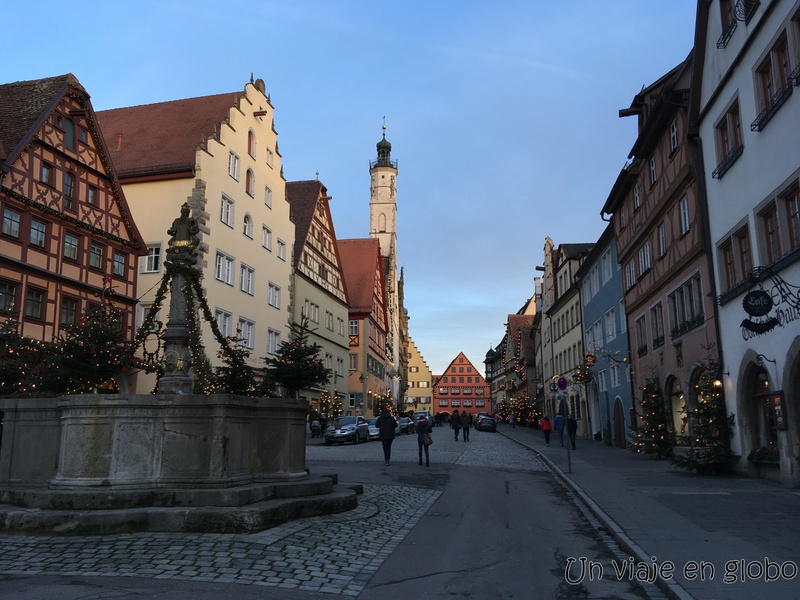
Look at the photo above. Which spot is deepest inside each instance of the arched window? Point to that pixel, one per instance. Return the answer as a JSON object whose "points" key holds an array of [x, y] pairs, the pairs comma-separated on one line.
{"points": [[248, 226], [250, 183], [251, 143]]}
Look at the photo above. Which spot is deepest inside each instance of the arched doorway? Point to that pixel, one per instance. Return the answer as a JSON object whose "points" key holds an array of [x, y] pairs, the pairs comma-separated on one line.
{"points": [[620, 439]]}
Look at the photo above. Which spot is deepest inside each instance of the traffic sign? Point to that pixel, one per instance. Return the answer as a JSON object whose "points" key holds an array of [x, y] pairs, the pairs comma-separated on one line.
{"points": [[562, 383]]}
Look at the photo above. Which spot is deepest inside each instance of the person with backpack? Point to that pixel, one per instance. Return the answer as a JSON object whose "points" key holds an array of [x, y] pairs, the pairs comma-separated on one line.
{"points": [[455, 423]]}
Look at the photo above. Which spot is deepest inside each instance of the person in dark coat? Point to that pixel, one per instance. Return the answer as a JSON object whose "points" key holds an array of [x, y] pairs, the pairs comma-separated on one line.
{"points": [[455, 423], [423, 426], [572, 429], [558, 426], [386, 428], [547, 428], [465, 420]]}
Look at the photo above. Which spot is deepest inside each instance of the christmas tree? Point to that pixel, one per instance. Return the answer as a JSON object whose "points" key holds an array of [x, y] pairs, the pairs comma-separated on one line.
{"points": [[297, 364], [653, 437], [710, 427], [23, 359], [235, 376]]}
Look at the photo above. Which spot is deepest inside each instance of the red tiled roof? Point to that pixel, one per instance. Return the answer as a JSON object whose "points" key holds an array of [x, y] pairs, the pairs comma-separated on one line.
{"points": [[163, 137], [23, 103], [359, 261]]}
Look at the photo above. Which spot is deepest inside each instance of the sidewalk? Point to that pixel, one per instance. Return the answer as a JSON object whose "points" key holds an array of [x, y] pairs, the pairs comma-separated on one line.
{"points": [[721, 538]]}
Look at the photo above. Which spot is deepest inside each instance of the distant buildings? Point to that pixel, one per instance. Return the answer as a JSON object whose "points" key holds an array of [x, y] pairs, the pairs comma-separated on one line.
{"points": [[461, 387]]}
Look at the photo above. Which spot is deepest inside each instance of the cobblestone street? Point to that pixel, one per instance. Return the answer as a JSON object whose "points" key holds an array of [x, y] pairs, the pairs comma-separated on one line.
{"points": [[335, 554]]}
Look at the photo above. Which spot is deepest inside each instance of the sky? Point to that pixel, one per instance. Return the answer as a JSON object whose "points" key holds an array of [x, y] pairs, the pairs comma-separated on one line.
{"points": [[503, 116]]}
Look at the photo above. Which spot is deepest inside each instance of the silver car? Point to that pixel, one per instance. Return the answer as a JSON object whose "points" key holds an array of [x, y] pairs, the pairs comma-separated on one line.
{"points": [[347, 429]]}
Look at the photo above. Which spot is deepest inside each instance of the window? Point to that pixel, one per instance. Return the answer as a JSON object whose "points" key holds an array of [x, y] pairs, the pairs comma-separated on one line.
{"points": [[223, 268], [340, 326], [251, 143], [69, 308], [69, 190], [772, 240], [340, 367], [266, 237], [267, 196], [96, 256], [353, 366], [247, 280], [644, 258], [69, 134], [91, 195], [686, 307], [623, 321], [611, 325], [637, 201], [662, 239], [684, 210], [246, 333], [281, 246], [70, 246], [774, 83], [273, 341], [595, 280], [734, 256], [606, 267], [641, 336], [11, 220], [614, 375], [313, 312], [274, 296], [233, 165], [247, 227], [34, 303], [601, 381], [657, 325], [653, 174], [630, 275], [791, 203], [226, 211], [353, 328], [47, 174], [8, 296], [152, 262], [223, 319], [250, 183], [329, 320], [621, 217], [728, 140], [118, 264], [270, 157], [38, 233], [673, 135]]}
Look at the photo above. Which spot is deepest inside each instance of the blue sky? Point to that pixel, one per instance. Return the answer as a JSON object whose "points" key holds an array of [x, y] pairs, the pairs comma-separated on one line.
{"points": [[503, 116]]}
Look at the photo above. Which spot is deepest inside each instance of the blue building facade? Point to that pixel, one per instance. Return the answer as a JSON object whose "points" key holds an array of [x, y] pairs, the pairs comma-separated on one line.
{"points": [[610, 396]]}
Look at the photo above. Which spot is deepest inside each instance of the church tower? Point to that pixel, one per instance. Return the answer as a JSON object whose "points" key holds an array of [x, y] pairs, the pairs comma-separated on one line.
{"points": [[383, 198], [383, 227]]}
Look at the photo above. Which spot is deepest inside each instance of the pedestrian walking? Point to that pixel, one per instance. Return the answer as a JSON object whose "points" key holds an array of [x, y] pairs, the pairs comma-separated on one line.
{"points": [[386, 428], [455, 423], [465, 420], [547, 428], [558, 426], [572, 430], [513, 420], [424, 428]]}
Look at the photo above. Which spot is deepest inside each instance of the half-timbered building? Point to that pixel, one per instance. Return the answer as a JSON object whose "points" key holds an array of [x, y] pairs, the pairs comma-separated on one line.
{"points": [[320, 294], [368, 382], [68, 240]]}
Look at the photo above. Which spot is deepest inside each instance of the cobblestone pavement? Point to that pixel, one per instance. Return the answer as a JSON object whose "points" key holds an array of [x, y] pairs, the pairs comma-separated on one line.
{"points": [[335, 554]]}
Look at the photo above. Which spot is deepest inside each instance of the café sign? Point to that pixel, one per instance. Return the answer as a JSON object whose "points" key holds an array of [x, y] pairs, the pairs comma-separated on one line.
{"points": [[757, 303]]}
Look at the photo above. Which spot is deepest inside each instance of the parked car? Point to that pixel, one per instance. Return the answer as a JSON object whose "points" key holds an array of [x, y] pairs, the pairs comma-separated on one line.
{"points": [[407, 425], [374, 432], [486, 424], [347, 429], [422, 413]]}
